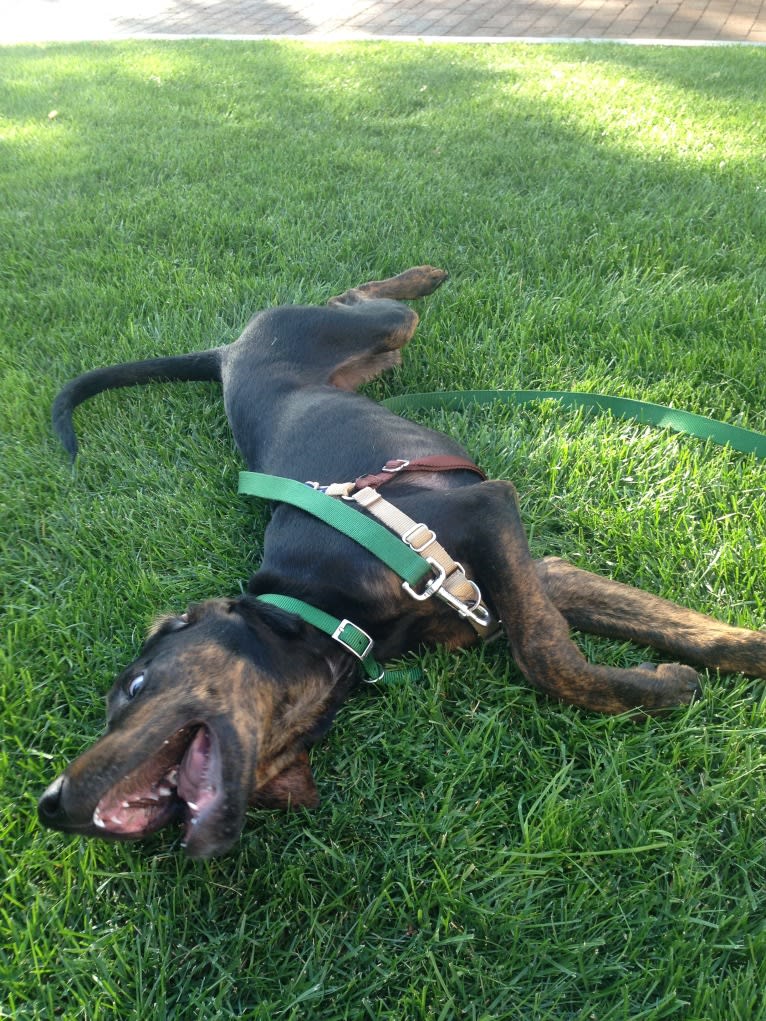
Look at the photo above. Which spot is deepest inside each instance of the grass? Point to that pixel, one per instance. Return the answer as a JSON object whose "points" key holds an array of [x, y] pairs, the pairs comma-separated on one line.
{"points": [[479, 852]]}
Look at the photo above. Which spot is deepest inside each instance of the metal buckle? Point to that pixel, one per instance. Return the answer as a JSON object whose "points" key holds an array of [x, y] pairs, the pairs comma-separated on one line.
{"points": [[424, 545], [401, 464], [338, 636], [477, 611], [433, 586]]}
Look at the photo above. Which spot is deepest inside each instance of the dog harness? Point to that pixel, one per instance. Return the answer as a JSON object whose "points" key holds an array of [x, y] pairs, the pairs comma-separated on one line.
{"points": [[412, 551], [449, 581], [406, 555]]}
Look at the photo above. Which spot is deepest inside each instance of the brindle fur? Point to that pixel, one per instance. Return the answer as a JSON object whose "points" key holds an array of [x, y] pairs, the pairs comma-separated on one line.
{"points": [[266, 685]]}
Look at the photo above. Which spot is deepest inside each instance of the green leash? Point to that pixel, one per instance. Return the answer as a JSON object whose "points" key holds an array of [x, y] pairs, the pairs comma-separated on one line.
{"points": [[744, 440]]}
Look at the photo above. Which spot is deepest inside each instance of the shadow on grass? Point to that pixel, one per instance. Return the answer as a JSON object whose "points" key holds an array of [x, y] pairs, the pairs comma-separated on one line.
{"points": [[366, 160]]}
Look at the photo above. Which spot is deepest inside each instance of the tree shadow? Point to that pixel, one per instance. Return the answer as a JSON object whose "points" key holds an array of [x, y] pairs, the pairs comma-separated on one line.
{"points": [[292, 173]]}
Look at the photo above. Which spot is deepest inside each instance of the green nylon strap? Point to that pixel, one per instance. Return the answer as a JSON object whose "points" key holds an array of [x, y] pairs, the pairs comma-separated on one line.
{"points": [[368, 533], [744, 440], [347, 634]]}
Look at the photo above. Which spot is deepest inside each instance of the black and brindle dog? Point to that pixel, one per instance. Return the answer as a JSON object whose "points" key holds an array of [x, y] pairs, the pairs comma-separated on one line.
{"points": [[219, 709]]}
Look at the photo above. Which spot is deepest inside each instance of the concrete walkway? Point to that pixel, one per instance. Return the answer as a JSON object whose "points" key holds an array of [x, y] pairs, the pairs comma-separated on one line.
{"points": [[690, 21]]}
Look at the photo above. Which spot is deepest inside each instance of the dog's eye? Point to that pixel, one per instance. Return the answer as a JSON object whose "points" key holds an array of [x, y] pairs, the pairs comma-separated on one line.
{"points": [[135, 686]]}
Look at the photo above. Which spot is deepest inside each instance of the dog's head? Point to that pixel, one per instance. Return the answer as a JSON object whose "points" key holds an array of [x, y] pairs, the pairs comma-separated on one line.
{"points": [[216, 713]]}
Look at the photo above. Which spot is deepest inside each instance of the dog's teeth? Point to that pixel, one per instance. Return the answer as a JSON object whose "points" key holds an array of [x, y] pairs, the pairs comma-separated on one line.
{"points": [[98, 821], [164, 790], [171, 776], [193, 806]]}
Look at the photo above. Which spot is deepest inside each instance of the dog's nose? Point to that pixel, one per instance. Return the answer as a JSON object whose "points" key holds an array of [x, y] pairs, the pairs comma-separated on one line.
{"points": [[49, 809]]}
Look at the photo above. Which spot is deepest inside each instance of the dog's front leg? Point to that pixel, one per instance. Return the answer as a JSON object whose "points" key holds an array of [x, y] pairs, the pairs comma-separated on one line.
{"points": [[538, 633], [601, 606]]}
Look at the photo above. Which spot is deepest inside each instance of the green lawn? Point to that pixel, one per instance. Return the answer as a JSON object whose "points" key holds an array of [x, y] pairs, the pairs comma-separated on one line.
{"points": [[479, 852]]}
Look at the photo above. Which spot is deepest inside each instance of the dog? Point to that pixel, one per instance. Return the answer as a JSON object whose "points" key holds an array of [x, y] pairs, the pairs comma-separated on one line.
{"points": [[225, 699]]}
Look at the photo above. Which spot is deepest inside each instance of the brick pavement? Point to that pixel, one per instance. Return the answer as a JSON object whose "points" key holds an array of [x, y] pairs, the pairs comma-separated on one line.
{"points": [[633, 20]]}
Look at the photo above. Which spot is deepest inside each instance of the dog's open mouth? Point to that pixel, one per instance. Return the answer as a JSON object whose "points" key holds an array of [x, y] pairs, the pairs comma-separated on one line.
{"points": [[180, 783]]}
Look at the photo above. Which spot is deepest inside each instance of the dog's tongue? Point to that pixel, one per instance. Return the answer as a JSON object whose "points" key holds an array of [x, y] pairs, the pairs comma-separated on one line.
{"points": [[200, 785], [193, 772]]}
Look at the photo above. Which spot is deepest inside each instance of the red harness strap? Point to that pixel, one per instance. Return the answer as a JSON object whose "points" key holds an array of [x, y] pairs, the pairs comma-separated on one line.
{"points": [[434, 463]]}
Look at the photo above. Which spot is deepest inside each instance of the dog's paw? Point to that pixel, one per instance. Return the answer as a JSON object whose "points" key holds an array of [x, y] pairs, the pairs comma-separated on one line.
{"points": [[431, 277], [412, 283], [677, 684]]}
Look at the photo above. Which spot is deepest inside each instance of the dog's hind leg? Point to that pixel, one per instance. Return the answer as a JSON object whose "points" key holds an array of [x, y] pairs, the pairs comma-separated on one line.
{"points": [[605, 607], [352, 339], [412, 283], [296, 351], [373, 310], [537, 632]]}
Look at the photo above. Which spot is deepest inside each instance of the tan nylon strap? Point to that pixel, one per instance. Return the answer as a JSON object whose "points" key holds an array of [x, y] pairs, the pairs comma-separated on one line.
{"points": [[423, 541], [419, 536]]}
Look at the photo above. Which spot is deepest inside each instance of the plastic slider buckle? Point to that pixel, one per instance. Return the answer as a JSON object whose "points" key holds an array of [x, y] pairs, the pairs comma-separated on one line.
{"points": [[349, 643], [428, 540], [392, 467]]}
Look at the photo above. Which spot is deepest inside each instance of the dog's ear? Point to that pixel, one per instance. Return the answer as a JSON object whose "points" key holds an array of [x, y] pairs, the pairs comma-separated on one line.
{"points": [[293, 787], [164, 623], [285, 624]]}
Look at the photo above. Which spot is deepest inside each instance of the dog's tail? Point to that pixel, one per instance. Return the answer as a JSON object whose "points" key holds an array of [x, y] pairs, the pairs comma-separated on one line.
{"points": [[201, 367]]}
